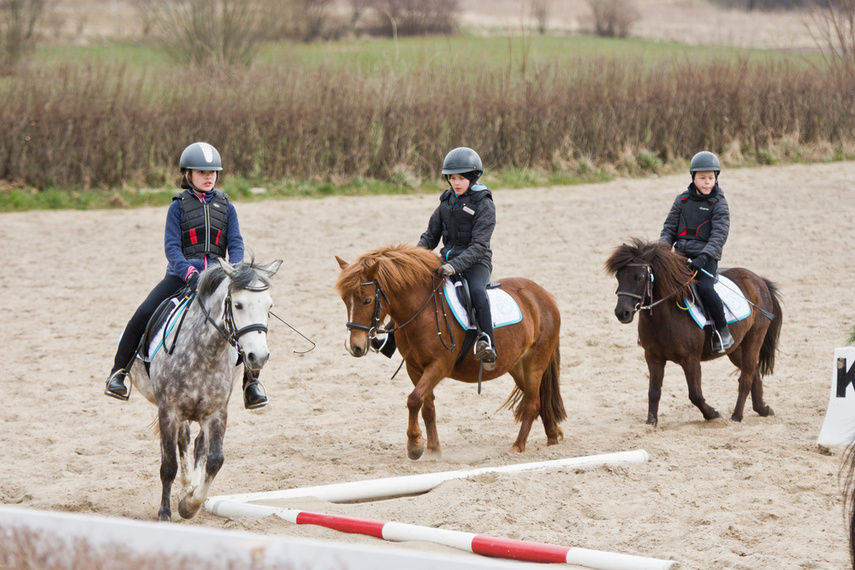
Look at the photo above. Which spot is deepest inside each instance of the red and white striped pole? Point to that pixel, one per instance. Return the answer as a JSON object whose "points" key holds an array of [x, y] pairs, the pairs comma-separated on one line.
{"points": [[471, 542]]}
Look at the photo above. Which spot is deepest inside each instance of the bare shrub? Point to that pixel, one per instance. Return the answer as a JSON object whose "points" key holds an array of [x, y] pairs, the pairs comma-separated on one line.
{"points": [[327, 123], [540, 13], [612, 18], [211, 31], [408, 17], [832, 25], [18, 29]]}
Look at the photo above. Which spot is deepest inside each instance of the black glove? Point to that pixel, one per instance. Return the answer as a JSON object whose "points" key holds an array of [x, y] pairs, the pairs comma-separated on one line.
{"points": [[698, 263], [445, 270], [191, 281]]}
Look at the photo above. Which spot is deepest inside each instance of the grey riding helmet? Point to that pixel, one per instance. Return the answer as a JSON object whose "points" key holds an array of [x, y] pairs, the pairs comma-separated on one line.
{"points": [[704, 161], [200, 156], [462, 160]]}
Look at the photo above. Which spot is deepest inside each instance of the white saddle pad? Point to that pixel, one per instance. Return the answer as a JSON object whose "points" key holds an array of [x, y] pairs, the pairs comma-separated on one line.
{"points": [[157, 338], [503, 307], [736, 306]]}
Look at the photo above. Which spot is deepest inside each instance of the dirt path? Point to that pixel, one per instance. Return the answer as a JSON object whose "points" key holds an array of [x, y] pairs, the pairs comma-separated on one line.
{"points": [[718, 494]]}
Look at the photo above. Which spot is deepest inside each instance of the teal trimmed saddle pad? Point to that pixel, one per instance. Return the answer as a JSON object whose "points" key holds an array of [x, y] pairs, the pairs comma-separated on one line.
{"points": [[736, 307], [503, 307]]}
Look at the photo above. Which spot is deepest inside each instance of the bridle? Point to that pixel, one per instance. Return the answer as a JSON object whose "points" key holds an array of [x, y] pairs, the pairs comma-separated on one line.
{"points": [[648, 289], [374, 329], [229, 330]]}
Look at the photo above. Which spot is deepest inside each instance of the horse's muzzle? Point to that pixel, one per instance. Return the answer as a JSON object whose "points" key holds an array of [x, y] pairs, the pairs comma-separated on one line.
{"points": [[624, 314]]}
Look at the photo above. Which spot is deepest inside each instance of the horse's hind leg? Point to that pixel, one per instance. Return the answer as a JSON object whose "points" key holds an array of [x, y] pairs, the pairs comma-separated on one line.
{"points": [[529, 406], [746, 358], [692, 370], [168, 462], [186, 466], [211, 457]]}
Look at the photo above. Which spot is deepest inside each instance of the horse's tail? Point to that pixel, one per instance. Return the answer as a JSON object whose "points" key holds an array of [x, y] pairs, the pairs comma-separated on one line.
{"points": [[770, 342], [551, 403]]}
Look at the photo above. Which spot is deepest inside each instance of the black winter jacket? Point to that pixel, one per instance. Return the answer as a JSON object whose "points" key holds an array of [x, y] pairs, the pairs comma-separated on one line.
{"points": [[690, 205], [465, 224]]}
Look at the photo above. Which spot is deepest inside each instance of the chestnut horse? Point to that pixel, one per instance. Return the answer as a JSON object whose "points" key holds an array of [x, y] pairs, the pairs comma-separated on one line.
{"points": [[399, 282], [652, 280]]}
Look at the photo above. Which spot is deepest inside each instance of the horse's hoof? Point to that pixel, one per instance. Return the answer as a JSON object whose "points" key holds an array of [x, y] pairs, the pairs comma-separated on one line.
{"points": [[415, 453], [767, 411], [164, 515], [736, 418], [184, 511], [652, 421]]}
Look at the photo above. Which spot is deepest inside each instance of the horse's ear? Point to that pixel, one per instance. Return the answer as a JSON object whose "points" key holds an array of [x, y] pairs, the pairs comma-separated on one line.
{"points": [[227, 267], [273, 268], [342, 263], [371, 271]]}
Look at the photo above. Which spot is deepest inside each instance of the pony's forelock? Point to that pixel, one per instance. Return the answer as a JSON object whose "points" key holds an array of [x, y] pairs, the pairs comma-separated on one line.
{"points": [[246, 275], [668, 266]]}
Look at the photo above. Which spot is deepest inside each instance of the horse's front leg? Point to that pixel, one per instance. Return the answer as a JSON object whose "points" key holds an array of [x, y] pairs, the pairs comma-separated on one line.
{"points": [[656, 371], [186, 466], [210, 458], [692, 370], [168, 461], [421, 399]]}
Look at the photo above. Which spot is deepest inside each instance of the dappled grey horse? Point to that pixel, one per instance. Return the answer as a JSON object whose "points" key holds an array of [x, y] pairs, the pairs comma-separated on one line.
{"points": [[191, 378]]}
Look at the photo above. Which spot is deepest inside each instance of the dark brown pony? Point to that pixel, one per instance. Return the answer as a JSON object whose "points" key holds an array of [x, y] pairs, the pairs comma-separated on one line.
{"points": [[652, 279], [399, 282]]}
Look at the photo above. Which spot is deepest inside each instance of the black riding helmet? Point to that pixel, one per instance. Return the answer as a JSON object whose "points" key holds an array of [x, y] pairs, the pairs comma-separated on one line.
{"points": [[199, 156], [463, 160], [704, 161]]}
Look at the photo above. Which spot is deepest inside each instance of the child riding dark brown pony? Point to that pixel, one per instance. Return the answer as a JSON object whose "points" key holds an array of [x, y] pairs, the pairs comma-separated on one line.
{"points": [[652, 280], [399, 282]]}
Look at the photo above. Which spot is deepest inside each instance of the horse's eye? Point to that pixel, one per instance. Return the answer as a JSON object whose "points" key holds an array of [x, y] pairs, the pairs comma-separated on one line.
{"points": [[367, 301], [238, 306]]}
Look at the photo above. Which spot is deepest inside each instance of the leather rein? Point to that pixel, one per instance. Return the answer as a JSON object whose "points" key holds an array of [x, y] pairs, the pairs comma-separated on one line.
{"points": [[374, 329]]}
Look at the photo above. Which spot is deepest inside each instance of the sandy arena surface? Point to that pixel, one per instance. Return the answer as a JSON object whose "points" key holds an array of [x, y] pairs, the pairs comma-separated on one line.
{"points": [[716, 494]]}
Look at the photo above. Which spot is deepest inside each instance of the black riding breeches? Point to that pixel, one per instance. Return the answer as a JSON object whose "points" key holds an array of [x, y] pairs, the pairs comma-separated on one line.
{"points": [[135, 328], [478, 277], [708, 295]]}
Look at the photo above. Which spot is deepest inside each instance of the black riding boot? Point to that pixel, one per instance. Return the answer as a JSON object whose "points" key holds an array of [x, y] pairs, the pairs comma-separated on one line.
{"points": [[721, 339], [254, 394], [116, 385]]}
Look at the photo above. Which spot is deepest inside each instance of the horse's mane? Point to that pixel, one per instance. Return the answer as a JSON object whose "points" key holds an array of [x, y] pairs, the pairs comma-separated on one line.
{"points": [[668, 267], [397, 266], [246, 274]]}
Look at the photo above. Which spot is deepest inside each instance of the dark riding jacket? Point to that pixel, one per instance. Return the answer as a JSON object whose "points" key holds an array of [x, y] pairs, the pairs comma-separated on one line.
{"points": [[465, 225], [199, 231], [698, 224]]}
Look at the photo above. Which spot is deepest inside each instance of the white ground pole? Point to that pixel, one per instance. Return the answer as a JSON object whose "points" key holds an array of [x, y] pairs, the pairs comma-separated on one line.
{"points": [[238, 506], [59, 541], [418, 484], [838, 428]]}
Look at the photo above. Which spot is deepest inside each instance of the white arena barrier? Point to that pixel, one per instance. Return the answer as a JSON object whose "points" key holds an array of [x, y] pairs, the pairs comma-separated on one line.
{"points": [[839, 425], [58, 541]]}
